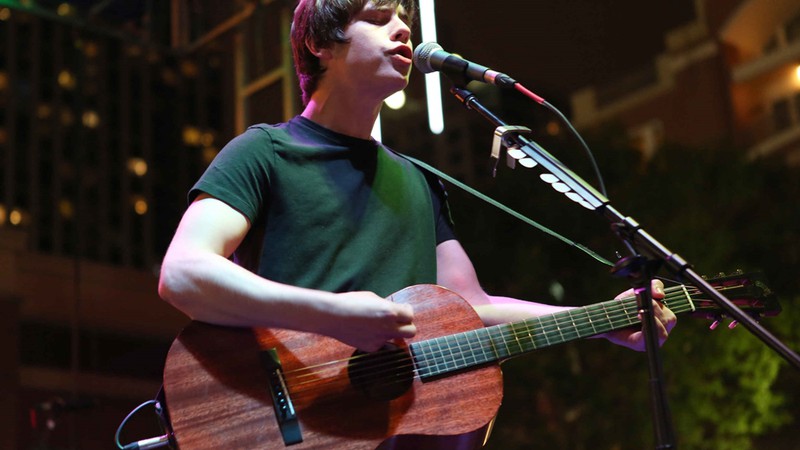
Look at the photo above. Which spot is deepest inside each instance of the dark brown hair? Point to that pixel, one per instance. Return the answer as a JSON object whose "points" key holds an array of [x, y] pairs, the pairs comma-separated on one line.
{"points": [[321, 23]]}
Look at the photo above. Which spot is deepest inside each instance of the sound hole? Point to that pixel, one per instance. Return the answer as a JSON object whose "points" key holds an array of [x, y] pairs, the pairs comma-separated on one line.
{"points": [[382, 375]]}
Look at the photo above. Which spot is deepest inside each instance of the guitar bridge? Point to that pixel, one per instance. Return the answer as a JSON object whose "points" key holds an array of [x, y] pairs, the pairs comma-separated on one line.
{"points": [[281, 401]]}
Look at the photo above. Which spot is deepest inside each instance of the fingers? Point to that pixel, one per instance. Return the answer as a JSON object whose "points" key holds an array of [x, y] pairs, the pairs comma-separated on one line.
{"points": [[657, 287], [407, 331], [665, 321], [405, 313], [404, 322]]}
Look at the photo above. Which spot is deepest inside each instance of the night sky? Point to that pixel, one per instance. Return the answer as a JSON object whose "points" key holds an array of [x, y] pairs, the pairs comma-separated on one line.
{"points": [[556, 46]]}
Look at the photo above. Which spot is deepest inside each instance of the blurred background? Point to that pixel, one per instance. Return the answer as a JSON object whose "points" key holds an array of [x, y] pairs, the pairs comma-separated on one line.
{"points": [[110, 109]]}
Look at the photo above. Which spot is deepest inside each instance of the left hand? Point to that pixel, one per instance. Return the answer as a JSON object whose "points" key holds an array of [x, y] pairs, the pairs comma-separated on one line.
{"points": [[665, 320]]}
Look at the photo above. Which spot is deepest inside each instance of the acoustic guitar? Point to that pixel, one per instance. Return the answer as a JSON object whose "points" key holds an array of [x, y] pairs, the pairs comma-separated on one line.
{"points": [[241, 388]]}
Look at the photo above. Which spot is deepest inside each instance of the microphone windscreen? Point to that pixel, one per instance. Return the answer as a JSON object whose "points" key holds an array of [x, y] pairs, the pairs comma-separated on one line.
{"points": [[422, 56]]}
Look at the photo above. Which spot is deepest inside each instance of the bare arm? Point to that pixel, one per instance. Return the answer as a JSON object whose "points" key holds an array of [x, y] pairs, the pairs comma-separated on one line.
{"points": [[455, 271], [198, 278]]}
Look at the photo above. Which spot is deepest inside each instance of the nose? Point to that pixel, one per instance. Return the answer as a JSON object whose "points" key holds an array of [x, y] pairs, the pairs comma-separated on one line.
{"points": [[402, 32]]}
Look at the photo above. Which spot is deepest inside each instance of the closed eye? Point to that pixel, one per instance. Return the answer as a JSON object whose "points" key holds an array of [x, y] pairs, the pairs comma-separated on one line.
{"points": [[377, 16]]}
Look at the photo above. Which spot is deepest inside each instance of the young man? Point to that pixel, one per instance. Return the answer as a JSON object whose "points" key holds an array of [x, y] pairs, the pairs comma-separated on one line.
{"points": [[327, 220]]}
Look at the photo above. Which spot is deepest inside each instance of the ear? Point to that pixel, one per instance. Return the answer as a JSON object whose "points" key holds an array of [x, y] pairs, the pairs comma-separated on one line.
{"points": [[323, 53]]}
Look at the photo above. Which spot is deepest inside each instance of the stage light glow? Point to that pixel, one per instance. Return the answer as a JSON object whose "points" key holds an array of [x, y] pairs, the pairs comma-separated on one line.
{"points": [[396, 100], [376, 129], [433, 84]]}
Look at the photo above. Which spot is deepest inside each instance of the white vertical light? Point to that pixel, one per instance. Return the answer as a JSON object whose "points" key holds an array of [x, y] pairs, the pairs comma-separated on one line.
{"points": [[433, 84], [376, 129]]}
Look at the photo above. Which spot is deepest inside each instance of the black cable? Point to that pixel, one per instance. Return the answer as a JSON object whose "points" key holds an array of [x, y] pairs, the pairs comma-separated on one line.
{"points": [[143, 444], [572, 129]]}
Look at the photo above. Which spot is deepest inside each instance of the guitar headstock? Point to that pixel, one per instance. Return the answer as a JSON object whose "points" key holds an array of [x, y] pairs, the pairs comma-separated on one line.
{"points": [[748, 291]]}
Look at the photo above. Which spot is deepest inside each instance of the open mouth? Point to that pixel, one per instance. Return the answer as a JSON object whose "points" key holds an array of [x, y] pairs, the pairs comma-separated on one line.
{"points": [[404, 51]]}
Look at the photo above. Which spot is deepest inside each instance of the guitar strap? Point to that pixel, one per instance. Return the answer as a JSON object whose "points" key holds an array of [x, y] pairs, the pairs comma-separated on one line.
{"points": [[506, 209]]}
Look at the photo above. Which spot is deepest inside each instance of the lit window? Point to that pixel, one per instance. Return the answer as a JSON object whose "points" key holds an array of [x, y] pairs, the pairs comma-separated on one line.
{"points": [[140, 205], [133, 51], [65, 9], [66, 80], [15, 217], [191, 136], [207, 138], [66, 209], [91, 119], [90, 49], [43, 111], [137, 166], [189, 69]]}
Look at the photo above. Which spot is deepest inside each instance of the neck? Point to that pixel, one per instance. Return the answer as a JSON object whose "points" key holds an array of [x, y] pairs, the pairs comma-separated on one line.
{"points": [[352, 115]]}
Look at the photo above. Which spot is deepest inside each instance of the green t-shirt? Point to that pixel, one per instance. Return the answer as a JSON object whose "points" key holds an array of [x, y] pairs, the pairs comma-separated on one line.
{"points": [[329, 211]]}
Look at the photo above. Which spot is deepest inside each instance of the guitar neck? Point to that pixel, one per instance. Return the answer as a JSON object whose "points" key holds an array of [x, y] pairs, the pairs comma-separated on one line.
{"points": [[442, 355]]}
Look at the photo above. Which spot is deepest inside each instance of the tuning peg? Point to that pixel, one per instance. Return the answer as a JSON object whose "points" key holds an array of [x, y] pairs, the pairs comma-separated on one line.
{"points": [[714, 325], [732, 325]]}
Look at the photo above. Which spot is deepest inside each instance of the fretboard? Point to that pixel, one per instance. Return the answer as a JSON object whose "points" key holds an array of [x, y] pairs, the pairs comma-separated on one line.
{"points": [[460, 351]]}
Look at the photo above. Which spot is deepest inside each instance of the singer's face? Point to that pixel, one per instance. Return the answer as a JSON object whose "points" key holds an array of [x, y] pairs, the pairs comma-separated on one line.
{"points": [[378, 55]]}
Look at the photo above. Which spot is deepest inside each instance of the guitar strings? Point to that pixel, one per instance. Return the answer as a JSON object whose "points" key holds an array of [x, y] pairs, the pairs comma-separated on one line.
{"points": [[551, 328], [618, 318]]}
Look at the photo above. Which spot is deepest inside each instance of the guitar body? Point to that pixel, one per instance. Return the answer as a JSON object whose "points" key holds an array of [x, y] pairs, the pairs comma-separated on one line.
{"points": [[217, 393]]}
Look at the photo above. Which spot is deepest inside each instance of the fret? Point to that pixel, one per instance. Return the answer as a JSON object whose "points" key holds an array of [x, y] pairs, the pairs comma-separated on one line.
{"points": [[440, 357], [420, 362], [568, 333], [591, 323], [558, 328], [451, 364], [505, 341], [458, 353], [472, 351], [531, 339], [688, 297], [422, 359], [491, 336], [631, 318], [544, 331], [609, 322], [572, 321], [515, 335], [486, 358]]}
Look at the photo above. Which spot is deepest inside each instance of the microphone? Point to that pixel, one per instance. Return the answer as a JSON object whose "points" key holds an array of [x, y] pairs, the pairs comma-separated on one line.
{"points": [[430, 57]]}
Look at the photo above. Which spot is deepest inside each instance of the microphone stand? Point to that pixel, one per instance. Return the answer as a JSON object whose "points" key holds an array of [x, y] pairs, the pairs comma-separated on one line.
{"points": [[647, 254]]}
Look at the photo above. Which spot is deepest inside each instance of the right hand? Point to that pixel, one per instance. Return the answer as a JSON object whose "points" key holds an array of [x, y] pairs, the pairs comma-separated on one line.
{"points": [[366, 321]]}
